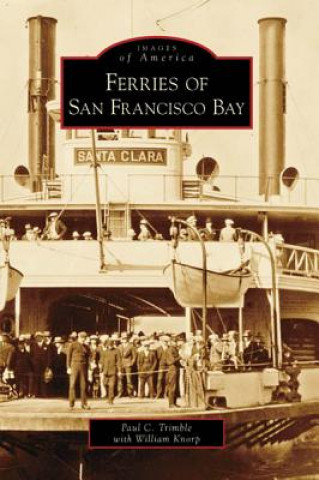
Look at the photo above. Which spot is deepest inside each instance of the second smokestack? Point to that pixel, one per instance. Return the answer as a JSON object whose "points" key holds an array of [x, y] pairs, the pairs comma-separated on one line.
{"points": [[272, 105]]}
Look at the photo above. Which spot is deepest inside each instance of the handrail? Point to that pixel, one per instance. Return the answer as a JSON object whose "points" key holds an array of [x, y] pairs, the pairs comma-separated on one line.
{"points": [[232, 188], [297, 260]]}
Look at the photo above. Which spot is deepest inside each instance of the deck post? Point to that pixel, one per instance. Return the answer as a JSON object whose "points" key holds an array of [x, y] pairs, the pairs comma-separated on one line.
{"points": [[188, 321], [17, 311], [240, 329], [98, 204], [279, 336], [273, 329]]}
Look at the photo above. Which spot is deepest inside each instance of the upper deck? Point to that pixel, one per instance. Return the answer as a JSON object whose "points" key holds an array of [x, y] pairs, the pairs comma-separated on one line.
{"points": [[140, 264]]}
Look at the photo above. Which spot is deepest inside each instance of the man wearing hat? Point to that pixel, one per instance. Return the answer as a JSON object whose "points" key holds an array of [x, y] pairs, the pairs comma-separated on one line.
{"points": [[7, 352], [146, 365], [192, 222], [208, 233], [228, 233], [173, 365], [261, 355], [145, 233], [94, 373], [22, 369], [161, 387], [87, 235], [49, 350], [250, 348], [55, 228], [110, 367], [29, 233], [39, 358], [128, 355], [102, 347], [10, 231], [77, 368], [60, 377], [73, 337]]}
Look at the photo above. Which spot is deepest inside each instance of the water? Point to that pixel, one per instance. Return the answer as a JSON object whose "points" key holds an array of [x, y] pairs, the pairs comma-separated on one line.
{"points": [[297, 460], [288, 461]]}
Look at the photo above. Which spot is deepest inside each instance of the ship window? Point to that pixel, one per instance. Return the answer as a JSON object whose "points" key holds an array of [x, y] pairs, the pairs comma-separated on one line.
{"points": [[290, 177], [22, 176], [207, 168]]}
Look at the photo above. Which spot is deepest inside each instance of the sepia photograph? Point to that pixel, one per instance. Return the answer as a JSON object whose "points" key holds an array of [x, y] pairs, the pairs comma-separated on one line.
{"points": [[159, 240]]}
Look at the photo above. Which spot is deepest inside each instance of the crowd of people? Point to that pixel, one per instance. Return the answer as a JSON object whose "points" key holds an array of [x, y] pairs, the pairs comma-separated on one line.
{"points": [[117, 365], [55, 229]]}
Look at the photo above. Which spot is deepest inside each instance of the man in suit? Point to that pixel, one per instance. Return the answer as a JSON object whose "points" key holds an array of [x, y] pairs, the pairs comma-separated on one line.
{"points": [[173, 364], [128, 359], [39, 358], [208, 233], [28, 345], [250, 349], [22, 369], [77, 367], [60, 376], [110, 363], [162, 366], [49, 351], [146, 364]]}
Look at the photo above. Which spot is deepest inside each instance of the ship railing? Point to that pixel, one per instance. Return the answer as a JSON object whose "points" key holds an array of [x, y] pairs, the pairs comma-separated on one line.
{"points": [[73, 187], [298, 260]]}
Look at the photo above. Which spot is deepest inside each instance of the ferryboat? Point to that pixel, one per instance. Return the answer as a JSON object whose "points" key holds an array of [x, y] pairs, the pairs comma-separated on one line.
{"points": [[119, 283]]}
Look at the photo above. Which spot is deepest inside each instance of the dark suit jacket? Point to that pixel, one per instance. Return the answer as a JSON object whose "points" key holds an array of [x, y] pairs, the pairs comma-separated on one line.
{"points": [[208, 235], [39, 357], [22, 362], [128, 355], [77, 354], [249, 352], [146, 363], [59, 363], [172, 357], [110, 361]]}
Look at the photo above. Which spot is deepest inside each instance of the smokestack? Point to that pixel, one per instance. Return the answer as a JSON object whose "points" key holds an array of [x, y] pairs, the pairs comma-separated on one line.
{"points": [[41, 90], [272, 105]]}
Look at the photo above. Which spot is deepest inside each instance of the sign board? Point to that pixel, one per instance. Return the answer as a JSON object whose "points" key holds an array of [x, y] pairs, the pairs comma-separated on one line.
{"points": [[120, 156], [156, 82]]}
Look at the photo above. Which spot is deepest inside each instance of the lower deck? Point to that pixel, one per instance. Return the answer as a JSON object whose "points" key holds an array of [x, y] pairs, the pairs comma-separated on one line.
{"points": [[54, 415]]}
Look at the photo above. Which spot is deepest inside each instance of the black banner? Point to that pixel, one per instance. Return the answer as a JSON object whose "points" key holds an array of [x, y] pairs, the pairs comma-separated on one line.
{"points": [[164, 433], [157, 82]]}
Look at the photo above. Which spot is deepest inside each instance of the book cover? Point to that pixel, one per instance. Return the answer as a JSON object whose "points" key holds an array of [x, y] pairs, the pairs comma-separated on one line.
{"points": [[159, 243]]}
